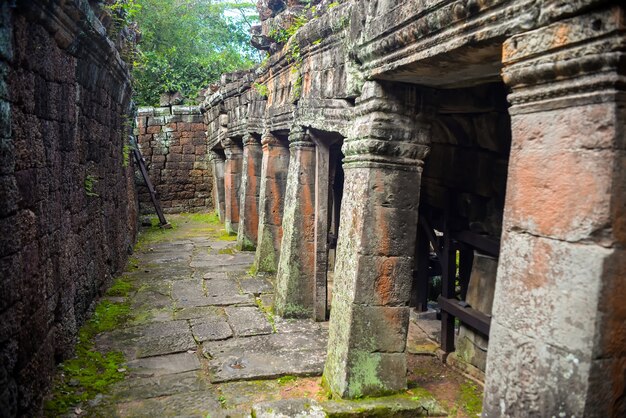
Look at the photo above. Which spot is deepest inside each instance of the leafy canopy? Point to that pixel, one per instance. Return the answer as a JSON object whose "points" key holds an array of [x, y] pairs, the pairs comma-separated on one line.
{"points": [[187, 44]]}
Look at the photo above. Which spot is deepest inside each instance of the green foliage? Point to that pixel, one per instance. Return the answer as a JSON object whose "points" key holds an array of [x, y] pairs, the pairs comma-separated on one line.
{"points": [[90, 184], [187, 44], [126, 149], [261, 88]]}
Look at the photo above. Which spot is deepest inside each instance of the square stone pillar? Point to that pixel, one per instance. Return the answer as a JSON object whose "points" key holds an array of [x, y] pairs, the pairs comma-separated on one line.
{"points": [[372, 284], [295, 278], [558, 334], [217, 162], [232, 184], [250, 187], [274, 170]]}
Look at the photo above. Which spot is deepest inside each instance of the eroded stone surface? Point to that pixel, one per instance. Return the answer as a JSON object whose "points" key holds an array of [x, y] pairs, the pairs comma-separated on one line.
{"points": [[247, 321], [210, 328], [267, 356], [289, 408]]}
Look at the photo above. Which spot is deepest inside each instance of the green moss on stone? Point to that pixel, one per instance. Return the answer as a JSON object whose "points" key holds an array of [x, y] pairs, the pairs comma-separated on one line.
{"points": [[229, 251], [226, 236], [471, 398], [120, 287], [364, 374], [90, 372], [287, 379], [245, 244]]}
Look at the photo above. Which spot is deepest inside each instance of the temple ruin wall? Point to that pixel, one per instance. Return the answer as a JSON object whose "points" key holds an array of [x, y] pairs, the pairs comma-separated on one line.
{"points": [[67, 212]]}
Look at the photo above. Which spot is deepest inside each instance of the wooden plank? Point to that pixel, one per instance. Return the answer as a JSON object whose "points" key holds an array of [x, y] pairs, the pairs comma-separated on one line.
{"points": [[419, 293], [448, 275], [480, 242], [469, 316], [322, 155]]}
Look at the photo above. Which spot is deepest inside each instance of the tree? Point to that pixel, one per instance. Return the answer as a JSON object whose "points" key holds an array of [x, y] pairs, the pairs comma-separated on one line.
{"points": [[187, 44]]}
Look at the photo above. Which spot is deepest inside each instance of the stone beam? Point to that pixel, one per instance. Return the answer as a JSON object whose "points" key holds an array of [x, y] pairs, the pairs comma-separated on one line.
{"points": [[250, 187], [295, 281], [373, 273], [232, 183], [558, 341], [274, 167]]}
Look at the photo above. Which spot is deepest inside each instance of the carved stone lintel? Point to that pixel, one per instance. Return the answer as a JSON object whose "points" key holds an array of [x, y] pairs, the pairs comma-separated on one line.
{"points": [[568, 62]]}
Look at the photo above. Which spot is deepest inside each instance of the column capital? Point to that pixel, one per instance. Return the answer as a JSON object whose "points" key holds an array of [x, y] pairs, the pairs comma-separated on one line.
{"points": [[250, 140], [391, 126], [570, 62], [231, 148], [268, 139], [299, 137], [214, 155]]}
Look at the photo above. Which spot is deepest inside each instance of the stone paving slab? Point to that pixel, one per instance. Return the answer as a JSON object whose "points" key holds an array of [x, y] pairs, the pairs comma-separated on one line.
{"points": [[161, 385], [155, 346], [210, 328], [161, 365], [224, 262], [266, 356], [224, 292], [255, 286], [287, 408], [198, 312], [247, 321], [189, 404], [389, 406]]}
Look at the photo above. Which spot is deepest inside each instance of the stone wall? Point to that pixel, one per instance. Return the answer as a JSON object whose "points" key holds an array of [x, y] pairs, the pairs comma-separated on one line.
{"points": [[67, 200], [172, 140]]}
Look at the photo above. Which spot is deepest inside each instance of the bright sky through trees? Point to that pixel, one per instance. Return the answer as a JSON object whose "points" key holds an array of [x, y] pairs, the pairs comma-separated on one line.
{"points": [[186, 44]]}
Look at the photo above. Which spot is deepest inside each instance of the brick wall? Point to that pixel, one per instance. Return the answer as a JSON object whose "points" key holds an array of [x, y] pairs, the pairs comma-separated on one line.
{"points": [[67, 212], [173, 143]]}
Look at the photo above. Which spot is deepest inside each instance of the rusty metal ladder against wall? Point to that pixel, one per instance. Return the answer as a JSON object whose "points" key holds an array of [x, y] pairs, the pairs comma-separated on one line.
{"points": [[154, 195]]}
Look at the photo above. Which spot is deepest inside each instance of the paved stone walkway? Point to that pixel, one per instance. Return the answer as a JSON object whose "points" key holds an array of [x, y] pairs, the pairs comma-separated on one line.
{"points": [[201, 319], [202, 341]]}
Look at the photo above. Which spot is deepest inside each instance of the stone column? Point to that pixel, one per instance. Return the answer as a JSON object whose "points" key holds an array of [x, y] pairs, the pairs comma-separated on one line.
{"points": [[217, 161], [373, 273], [232, 184], [295, 278], [558, 334], [250, 186], [271, 201]]}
